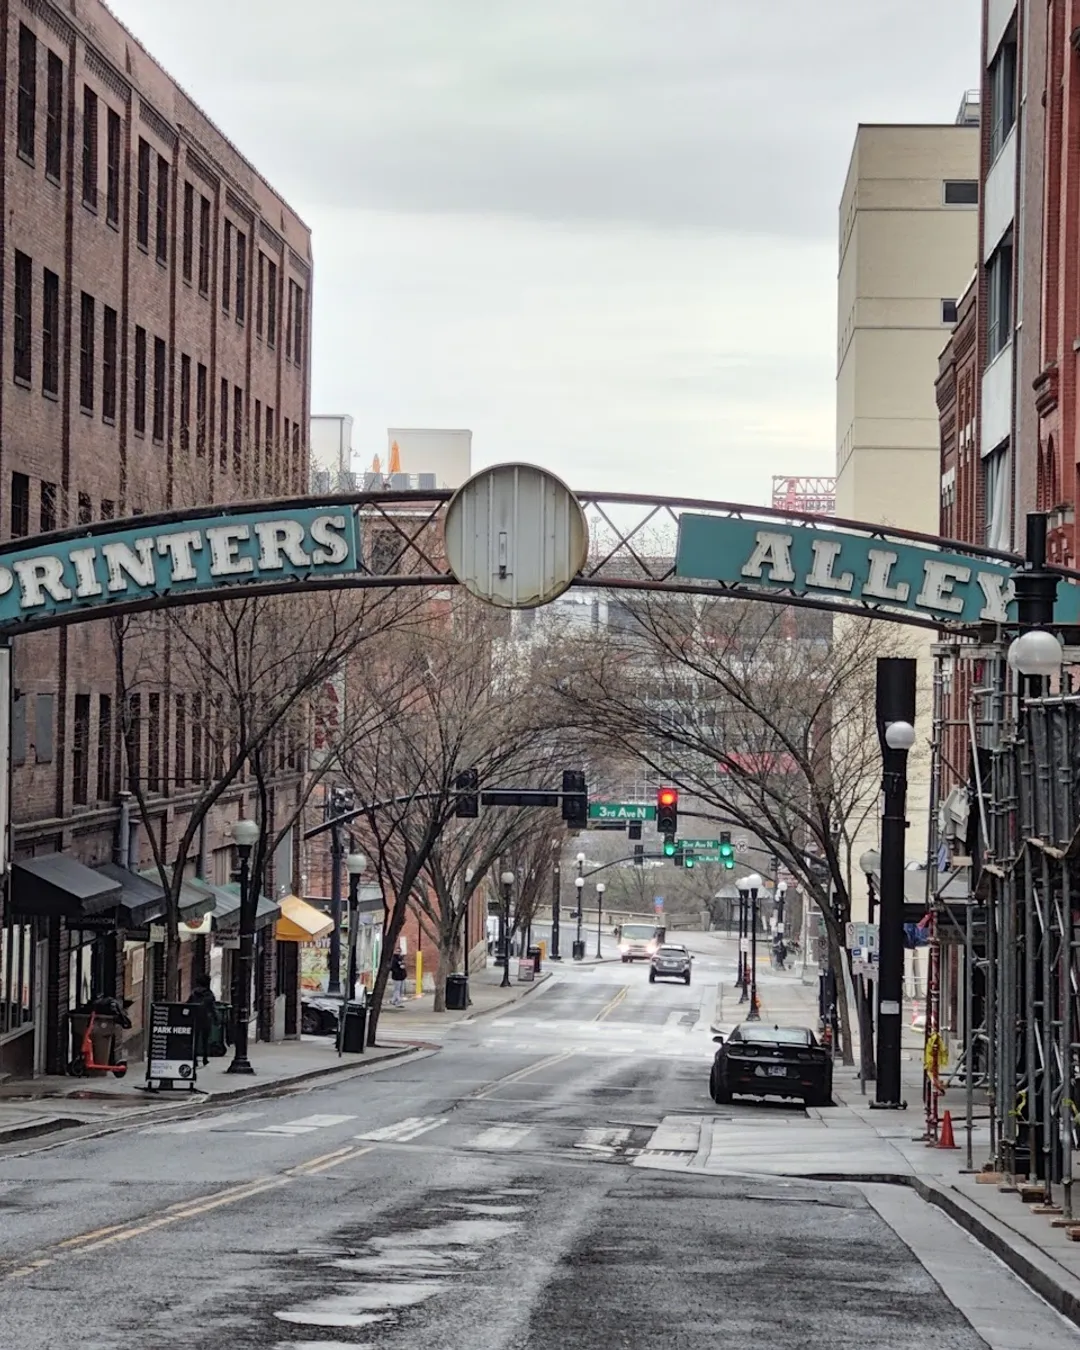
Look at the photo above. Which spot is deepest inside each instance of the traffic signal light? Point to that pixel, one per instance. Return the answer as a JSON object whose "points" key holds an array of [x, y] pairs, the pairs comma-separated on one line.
{"points": [[633, 830], [667, 812], [688, 857], [575, 799], [727, 853], [467, 784], [669, 848], [639, 855], [680, 855]]}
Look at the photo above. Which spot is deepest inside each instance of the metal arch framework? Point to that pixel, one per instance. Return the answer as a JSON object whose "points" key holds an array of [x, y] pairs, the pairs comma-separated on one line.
{"points": [[391, 539]]}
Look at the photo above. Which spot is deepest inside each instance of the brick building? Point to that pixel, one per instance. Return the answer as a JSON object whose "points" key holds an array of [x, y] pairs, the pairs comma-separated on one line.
{"points": [[155, 320]]}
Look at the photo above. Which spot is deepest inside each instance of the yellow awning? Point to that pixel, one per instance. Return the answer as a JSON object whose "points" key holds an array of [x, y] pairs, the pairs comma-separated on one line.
{"points": [[301, 922]]}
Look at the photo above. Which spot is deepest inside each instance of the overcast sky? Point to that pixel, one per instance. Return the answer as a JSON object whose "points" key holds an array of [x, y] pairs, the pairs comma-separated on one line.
{"points": [[599, 233]]}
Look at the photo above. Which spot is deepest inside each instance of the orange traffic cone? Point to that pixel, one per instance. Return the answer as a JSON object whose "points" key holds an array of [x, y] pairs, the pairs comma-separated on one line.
{"points": [[947, 1140]]}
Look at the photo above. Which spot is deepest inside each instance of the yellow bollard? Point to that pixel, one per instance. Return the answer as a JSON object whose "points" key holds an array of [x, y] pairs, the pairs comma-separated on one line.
{"points": [[543, 950], [419, 974]]}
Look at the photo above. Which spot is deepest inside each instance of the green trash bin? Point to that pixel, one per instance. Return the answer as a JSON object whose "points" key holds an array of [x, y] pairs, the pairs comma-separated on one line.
{"points": [[220, 1027]]}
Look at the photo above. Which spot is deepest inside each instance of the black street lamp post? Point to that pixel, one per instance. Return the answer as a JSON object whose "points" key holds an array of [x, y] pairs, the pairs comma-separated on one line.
{"points": [[245, 833], [556, 884], [507, 882], [599, 914], [740, 981], [749, 886]]}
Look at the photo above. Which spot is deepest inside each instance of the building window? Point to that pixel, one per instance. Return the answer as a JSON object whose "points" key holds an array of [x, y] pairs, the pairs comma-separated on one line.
{"points": [[43, 728], [204, 246], [162, 232], [22, 326], [50, 333], [298, 326], [18, 976], [54, 117], [256, 440], [159, 389], [241, 276], [999, 300], [185, 401], [189, 231], [224, 421], [296, 452], [238, 428], [140, 381], [142, 196], [180, 738], [153, 743], [226, 267], [104, 748], [996, 495], [90, 149], [133, 737], [112, 167], [27, 111], [108, 509], [80, 751], [109, 364], [200, 408], [86, 353], [20, 505], [47, 514], [948, 311], [259, 288], [18, 729], [289, 321], [196, 738], [1002, 92], [270, 429], [271, 303], [86, 509], [961, 192]]}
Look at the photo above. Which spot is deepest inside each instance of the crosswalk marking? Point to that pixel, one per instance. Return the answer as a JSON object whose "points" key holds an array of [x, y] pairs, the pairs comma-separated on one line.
{"points": [[198, 1125], [603, 1141], [404, 1130], [500, 1137], [304, 1125]]}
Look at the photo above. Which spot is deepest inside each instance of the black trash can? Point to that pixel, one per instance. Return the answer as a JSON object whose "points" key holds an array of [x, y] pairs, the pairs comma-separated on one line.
{"points": [[578, 951], [220, 1037], [457, 993], [534, 955], [354, 1035]]}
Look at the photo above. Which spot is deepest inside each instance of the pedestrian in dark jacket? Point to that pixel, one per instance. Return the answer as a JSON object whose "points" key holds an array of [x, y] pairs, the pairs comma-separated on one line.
{"points": [[203, 1001], [398, 975]]}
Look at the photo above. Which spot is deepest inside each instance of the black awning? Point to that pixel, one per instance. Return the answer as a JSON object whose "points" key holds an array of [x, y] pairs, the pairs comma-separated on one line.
{"points": [[56, 886], [141, 901]]}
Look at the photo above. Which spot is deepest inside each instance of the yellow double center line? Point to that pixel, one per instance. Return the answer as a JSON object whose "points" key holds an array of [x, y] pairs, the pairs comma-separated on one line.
{"points": [[612, 1004]]}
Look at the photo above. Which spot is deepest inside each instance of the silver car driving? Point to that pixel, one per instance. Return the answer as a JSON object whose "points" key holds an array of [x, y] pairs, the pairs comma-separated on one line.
{"points": [[670, 963]]}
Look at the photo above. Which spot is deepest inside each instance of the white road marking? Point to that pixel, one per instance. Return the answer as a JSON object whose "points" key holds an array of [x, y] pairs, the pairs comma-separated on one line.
{"points": [[603, 1141], [412, 1127], [500, 1137], [304, 1125], [203, 1123]]}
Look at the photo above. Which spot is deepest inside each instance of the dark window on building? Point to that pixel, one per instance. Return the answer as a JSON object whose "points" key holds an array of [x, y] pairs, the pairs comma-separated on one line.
{"points": [[22, 326], [140, 381], [948, 311], [197, 734], [86, 509], [159, 389], [153, 743], [298, 326], [270, 430], [185, 402], [104, 750], [86, 353], [223, 422], [999, 281], [256, 434], [47, 512], [18, 729], [204, 246], [20, 505], [180, 738], [109, 364], [271, 303], [1002, 77], [80, 751], [133, 737], [241, 276], [296, 446], [226, 267], [54, 116], [43, 728], [112, 167], [961, 191], [238, 428], [200, 408], [260, 286], [27, 112], [162, 232], [289, 320], [188, 255], [50, 332], [142, 196], [90, 149], [108, 509]]}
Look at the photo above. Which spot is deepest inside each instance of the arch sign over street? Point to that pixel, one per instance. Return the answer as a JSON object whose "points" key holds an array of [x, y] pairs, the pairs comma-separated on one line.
{"points": [[514, 535]]}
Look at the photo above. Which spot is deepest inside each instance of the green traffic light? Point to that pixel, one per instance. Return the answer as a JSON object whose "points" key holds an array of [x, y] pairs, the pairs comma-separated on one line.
{"points": [[669, 848], [689, 860]]}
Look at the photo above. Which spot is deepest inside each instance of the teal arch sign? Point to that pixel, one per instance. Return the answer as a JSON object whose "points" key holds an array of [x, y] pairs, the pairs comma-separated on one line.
{"points": [[871, 570]]}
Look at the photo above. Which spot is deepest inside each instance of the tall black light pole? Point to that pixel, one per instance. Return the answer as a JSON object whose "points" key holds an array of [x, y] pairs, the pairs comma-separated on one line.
{"points": [[556, 884], [870, 864], [507, 883], [744, 935], [599, 913], [895, 707], [245, 833], [355, 865], [579, 890], [752, 885], [337, 858]]}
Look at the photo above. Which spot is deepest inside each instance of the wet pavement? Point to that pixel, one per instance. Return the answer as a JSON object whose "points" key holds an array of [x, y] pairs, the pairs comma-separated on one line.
{"points": [[485, 1196]]}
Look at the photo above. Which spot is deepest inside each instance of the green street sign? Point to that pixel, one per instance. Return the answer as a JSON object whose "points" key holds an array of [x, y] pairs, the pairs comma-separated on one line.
{"points": [[621, 811], [709, 845]]}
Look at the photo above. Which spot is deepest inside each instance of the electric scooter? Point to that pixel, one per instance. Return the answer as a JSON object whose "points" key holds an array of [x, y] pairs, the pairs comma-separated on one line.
{"points": [[84, 1061]]}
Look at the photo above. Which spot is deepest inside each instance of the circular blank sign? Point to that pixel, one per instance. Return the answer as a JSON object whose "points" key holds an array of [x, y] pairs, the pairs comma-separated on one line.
{"points": [[515, 536]]}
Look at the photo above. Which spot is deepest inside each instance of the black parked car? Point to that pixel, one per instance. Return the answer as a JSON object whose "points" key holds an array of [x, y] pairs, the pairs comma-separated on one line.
{"points": [[670, 963], [759, 1060], [319, 1014]]}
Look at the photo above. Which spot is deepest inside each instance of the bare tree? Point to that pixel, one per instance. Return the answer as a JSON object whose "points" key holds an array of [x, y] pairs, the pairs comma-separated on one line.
{"points": [[769, 724]]}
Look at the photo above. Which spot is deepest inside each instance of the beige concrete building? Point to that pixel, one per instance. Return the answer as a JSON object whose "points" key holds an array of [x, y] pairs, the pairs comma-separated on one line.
{"points": [[908, 244]]}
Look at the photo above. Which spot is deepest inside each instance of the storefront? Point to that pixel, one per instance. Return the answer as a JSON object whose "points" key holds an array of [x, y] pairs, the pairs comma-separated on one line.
{"points": [[300, 923], [225, 944]]}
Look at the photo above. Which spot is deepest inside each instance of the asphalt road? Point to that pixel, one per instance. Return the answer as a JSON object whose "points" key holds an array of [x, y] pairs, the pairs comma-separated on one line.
{"points": [[478, 1197]]}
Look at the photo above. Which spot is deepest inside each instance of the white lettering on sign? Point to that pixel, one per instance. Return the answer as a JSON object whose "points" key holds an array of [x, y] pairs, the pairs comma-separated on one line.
{"points": [[938, 580], [773, 551], [86, 578], [826, 552], [329, 533], [38, 575], [998, 592], [225, 559], [878, 582], [179, 548], [281, 537], [137, 563]]}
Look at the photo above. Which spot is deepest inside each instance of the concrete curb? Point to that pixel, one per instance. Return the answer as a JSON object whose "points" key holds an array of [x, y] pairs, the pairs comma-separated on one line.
{"points": [[437, 1019], [14, 1134]]}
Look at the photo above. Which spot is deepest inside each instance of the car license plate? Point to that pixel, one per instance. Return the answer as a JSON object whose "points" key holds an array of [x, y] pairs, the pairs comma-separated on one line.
{"points": [[777, 1071]]}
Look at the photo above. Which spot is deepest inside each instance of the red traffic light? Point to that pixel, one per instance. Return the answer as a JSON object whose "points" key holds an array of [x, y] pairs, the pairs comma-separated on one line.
{"points": [[667, 797]]}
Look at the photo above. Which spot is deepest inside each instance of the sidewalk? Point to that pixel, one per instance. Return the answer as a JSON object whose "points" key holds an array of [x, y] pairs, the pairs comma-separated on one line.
{"points": [[485, 993]]}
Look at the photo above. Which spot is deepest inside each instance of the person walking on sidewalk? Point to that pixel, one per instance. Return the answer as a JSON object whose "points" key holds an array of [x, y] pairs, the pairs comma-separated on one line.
{"points": [[203, 1001], [398, 975]]}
